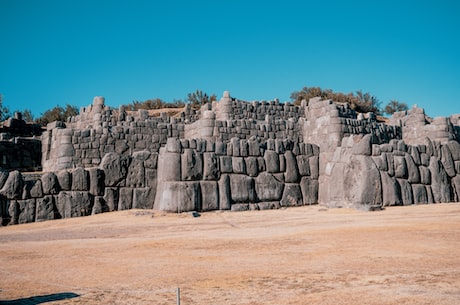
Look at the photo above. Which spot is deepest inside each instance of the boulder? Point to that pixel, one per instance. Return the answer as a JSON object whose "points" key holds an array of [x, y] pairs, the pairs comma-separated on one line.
{"points": [[447, 161], [454, 148], [225, 199], [26, 209], [99, 206], [292, 195], [303, 164], [143, 198], [242, 188], [80, 180], [226, 164], [209, 195], [364, 146], [406, 192], [111, 198], [425, 175], [169, 166], [268, 187], [177, 196], [252, 168], [313, 162], [456, 188], [413, 174], [191, 165], [96, 181], [238, 165], [135, 176], [310, 189], [210, 166], [12, 189], [115, 169], [400, 167], [272, 161], [292, 171], [74, 204], [50, 184], [420, 194], [125, 200], [391, 191], [46, 208], [36, 191], [440, 185], [65, 180]]}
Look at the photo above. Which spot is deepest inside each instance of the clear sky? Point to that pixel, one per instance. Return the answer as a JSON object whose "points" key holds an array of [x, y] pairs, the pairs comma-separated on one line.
{"points": [[55, 52]]}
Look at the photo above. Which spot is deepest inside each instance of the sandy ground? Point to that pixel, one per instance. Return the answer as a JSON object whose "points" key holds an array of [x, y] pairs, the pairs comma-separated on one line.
{"points": [[305, 255]]}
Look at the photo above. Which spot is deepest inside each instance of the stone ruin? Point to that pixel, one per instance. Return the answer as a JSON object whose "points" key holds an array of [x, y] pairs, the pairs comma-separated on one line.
{"points": [[229, 155]]}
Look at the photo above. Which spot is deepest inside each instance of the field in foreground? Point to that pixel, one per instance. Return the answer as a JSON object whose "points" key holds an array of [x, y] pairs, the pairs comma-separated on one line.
{"points": [[305, 255]]}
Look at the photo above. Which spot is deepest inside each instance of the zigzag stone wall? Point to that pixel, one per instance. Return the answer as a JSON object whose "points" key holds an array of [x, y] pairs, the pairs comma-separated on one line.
{"points": [[235, 155]]}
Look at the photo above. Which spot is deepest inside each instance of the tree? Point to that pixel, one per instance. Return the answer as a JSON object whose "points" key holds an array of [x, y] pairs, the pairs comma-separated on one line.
{"points": [[4, 111], [367, 103], [26, 115], [199, 98], [57, 114], [394, 106]]}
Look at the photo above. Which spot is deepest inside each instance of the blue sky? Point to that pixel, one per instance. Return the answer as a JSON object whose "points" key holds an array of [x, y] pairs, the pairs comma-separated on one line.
{"points": [[68, 51]]}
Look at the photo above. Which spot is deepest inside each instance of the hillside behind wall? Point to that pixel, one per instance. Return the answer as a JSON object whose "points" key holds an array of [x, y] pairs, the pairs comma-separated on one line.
{"points": [[235, 155]]}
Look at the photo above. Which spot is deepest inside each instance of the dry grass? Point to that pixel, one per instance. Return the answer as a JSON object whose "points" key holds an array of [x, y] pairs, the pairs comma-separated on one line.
{"points": [[307, 255]]}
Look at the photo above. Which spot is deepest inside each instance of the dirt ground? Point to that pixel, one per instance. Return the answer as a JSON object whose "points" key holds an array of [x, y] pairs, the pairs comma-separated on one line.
{"points": [[305, 255]]}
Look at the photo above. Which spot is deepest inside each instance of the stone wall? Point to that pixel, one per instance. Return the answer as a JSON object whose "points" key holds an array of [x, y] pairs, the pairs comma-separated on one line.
{"points": [[203, 175]]}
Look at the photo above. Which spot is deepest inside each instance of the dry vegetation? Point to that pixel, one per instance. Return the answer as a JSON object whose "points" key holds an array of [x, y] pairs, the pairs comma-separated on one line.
{"points": [[306, 255]]}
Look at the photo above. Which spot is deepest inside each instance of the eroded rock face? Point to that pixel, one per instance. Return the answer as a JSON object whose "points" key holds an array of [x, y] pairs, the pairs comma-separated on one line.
{"points": [[115, 169], [12, 189]]}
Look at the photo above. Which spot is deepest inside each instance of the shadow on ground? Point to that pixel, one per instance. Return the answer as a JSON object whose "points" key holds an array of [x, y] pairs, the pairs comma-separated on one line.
{"points": [[40, 299]]}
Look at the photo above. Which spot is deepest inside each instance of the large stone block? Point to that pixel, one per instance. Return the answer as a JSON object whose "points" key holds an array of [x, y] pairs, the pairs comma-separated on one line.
{"points": [[303, 165], [413, 174], [176, 196], [292, 195], [406, 192], [425, 175], [210, 166], [420, 194], [74, 204], [136, 174], [111, 198], [169, 167], [447, 161], [310, 190], [144, 198], [391, 190], [440, 185], [272, 161], [238, 165], [80, 179], [400, 167], [209, 195], [115, 169], [26, 210], [242, 189], [226, 164], [364, 146], [225, 199], [46, 208], [268, 187], [191, 165], [292, 171], [252, 167], [13, 187], [125, 200], [65, 180]]}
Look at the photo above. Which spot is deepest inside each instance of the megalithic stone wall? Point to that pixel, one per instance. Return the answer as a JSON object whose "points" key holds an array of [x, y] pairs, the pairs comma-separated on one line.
{"points": [[203, 175], [365, 175]]}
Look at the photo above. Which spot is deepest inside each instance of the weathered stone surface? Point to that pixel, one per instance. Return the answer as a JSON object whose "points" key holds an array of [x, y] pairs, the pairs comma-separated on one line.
{"points": [[447, 161], [65, 180], [381, 162], [26, 210], [226, 164], [313, 162], [136, 173], [309, 188], [413, 174], [420, 194], [240, 207], [270, 205], [178, 196], [225, 198], [99, 206], [425, 175], [80, 180], [454, 148], [111, 198], [125, 200], [440, 185], [143, 198], [96, 181], [292, 171], [46, 208], [406, 192], [292, 195], [400, 167], [456, 188], [209, 195], [268, 187], [364, 146], [252, 168], [238, 165], [362, 183], [115, 169], [74, 204], [173, 145], [3, 177], [391, 164], [36, 191], [191, 165], [303, 164], [391, 191], [50, 184], [242, 189], [12, 189], [169, 167], [272, 161], [210, 166]]}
